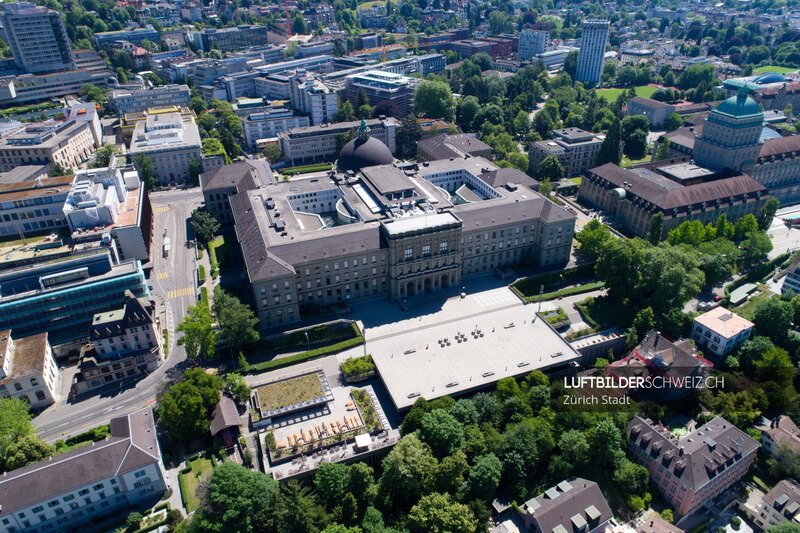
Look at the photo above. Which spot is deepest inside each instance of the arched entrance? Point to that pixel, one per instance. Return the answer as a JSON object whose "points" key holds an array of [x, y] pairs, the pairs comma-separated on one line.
{"points": [[427, 285], [443, 282], [410, 288]]}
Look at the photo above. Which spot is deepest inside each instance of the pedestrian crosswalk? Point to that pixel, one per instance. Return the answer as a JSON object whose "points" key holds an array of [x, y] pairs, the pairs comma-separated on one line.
{"points": [[162, 275], [162, 209], [186, 291]]}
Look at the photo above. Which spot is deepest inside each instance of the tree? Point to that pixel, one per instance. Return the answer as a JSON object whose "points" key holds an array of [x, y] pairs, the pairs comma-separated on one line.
{"points": [[484, 477], [593, 237], [407, 136], [644, 321], [205, 226], [195, 169], [673, 122], [236, 499], [545, 188], [407, 472], [753, 350], [434, 99], [27, 450], [102, 157], [331, 481], [667, 515], [272, 153], [773, 319], [775, 366], [767, 213], [198, 336], [437, 513], [15, 422], [656, 228], [239, 388], [483, 60], [605, 440], [361, 98], [630, 477], [185, 409], [571, 63], [237, 323], [386, 108], [636, 146], [299, 25], [344, 113], [442, 432], [550, 169], [134, 520], [609, 149], [146, 169]]}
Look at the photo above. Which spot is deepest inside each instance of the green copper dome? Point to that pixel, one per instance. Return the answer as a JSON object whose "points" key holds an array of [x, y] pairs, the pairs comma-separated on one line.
{"points": [[739, 106]]}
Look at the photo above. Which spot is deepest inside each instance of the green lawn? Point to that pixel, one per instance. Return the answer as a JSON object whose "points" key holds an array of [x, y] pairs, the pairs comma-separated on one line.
{"points": [[576, 181], [201, 469], [628, 162], [749, 308], [289, 392], [612, 94], [605, 312], [772, 68]]}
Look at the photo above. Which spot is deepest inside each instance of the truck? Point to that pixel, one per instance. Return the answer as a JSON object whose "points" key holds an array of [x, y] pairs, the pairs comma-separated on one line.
{"points": [[166, 247]]}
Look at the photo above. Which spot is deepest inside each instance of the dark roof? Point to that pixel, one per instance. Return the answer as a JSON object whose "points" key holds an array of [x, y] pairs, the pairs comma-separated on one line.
{"points": [[656, 524], [136, 312], [360, 153], [225, 415], [573, 500], [498, 178], [649, 102], [445, 146], [780, 146], [699, 456], [477, 215], [132, 445], [784, 497], [242, 176], [673, 198]]}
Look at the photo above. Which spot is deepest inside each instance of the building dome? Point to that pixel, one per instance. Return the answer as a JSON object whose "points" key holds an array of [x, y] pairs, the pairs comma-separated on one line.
{"points": [[739, 106], [363, 151], [770, 77]]}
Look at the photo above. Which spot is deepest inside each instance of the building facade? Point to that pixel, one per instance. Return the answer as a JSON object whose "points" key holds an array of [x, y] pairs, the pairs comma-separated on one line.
{"points": [[135, 36], [692, 470], [381, 86], [594, 37], [533, 43], [313, 97], [28, 371], [37, 37], [386, 232], [779, 506], [171, 142], [33, 206], [124, 101], [574, 148], [778, 432], [236, 38], [67, 143], [27, 88], [721, 331], [318, 143], [634, 194], [655, 111], [269, 123], [221, 183], [70, 490], [125, 343]]}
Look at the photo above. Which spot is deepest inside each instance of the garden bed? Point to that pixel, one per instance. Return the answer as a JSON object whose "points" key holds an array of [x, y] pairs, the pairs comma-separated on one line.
{"points": [[357, 369], [289, 392]]}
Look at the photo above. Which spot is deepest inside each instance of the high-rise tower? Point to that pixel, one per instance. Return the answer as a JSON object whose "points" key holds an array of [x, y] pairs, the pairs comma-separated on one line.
{"points": [[37, 38], [594, 37]]}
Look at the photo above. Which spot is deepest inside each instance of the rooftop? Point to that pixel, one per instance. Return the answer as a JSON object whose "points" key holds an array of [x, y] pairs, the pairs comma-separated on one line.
{"points": [[724, 323], [26, 360], [572, 505], [467, 354]]}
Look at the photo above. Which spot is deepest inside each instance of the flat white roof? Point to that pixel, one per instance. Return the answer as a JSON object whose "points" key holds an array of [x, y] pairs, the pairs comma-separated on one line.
{"points": [[416, 364]]}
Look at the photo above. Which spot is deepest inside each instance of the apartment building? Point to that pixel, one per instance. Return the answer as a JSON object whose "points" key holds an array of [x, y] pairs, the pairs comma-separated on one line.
{"points": [[223, 182], [171, 142], [691, 470], [574, 148], [37, 37], [113, 201], [125, 343], [575, 504], [594, 37], [232, 39], [124, 101], [318, 143], [780, 431], [533, 43], [635, 194], [67, 143], [311, 96], [33, 205], [134, 36], [267, 124], [381, 86], [28, 371], [70, 490], [780, 505], [381, 231], [62, 295], [721, 331]]}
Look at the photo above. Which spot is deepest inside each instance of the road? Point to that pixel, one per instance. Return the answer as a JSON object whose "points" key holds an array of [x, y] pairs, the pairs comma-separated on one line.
{"points": [[173, 283]]}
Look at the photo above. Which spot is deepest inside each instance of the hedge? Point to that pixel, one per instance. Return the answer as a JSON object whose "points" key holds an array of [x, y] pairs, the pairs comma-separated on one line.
{"points": [[305, 356], [93, 435], [758, 273], [570, 291], [204, 297], [321, 167], [201, 274], [528, 287], [582, 308]]}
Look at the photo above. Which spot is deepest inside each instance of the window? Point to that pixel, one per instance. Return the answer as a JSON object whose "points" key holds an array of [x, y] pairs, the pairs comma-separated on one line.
{"points": [[426, 249], [139, 474], [83, 492], [99, 486], [69, 497], [409, 253], [37, 509], [443, 246], [34, 382]]}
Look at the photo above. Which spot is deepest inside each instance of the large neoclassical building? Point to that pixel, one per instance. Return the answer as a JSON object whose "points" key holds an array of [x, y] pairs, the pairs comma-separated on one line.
{"points": [[379, 228]]}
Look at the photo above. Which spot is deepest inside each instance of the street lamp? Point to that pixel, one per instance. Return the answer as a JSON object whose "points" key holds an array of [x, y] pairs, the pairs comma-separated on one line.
{"points": [[307, 340]]}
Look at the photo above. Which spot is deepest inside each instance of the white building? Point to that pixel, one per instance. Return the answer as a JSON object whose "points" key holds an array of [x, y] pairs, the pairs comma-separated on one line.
{"points": [[171, 142], [720, 330], [779, 506], [69, 490], [594, 37], [532, 43], [780, 431], [310, 95], [124, 101], [28, 371], [792, 281], [268, 124]]}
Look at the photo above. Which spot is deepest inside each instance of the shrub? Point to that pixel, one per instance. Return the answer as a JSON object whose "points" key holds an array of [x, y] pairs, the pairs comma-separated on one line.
{"points": [[201, 274], [356, 366]]}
